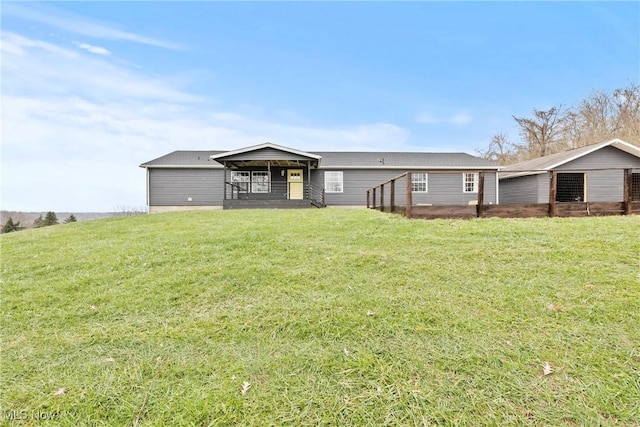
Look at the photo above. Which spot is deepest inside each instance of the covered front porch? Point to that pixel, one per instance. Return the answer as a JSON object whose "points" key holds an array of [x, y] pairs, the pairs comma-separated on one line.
{"points": [[269, 176]]}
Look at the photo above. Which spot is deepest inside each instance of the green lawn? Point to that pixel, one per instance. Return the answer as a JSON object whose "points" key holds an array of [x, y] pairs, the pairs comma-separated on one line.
{"points": [[327, 317]]}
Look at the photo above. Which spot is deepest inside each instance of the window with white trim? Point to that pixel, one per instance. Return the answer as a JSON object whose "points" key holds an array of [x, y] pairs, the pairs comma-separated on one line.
{"points": [[333, 182], [419, 182], [241, 179], [260, 182], [470, 182]]}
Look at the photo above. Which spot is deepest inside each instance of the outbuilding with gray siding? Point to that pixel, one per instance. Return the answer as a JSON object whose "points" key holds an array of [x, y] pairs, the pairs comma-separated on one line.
{"points": [[593, 173]]}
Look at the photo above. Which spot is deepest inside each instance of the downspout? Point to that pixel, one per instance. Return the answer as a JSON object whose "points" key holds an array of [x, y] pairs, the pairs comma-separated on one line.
{"points": [[309, 179], [497, 188], [148, 192]]}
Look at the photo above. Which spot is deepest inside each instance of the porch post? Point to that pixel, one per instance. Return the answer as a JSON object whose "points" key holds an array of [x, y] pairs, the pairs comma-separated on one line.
{"points": [[409, 195], [309, 179], [627, 190], [480, 206], [224, 181], [553, 186], [269, 175], [392, 196]]}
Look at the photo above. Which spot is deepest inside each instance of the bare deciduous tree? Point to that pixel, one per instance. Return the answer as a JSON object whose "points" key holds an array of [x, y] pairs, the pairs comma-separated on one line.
{"points": [[542, 134], [500, 150], [599, 117]]}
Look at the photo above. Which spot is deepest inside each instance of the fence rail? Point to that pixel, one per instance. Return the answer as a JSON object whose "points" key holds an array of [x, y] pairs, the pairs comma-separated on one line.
{"points": [[565, 200]]}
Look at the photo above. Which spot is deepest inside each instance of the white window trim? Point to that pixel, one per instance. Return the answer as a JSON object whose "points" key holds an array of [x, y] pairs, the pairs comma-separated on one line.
{"points": [[340, 180], [255, 184], [243, 184], [426, 182], [476, 179]]}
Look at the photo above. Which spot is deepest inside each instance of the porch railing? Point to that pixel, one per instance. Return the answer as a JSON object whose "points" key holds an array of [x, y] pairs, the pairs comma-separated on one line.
{"points": [[274, 191]]}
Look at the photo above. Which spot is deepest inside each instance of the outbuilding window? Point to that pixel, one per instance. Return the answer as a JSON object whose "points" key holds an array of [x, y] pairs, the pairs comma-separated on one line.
{"points": [[635, 187], [570, 187], [470, 182], [419, 182]]}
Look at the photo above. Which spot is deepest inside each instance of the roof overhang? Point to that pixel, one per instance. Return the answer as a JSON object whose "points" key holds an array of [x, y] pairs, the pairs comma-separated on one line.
{"points": [[420, 168], [230, 154], [212, 166], [617, 143]]}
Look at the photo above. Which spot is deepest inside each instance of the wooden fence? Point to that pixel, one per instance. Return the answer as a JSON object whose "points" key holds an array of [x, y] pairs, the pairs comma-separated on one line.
{"points": [[377, 199]]}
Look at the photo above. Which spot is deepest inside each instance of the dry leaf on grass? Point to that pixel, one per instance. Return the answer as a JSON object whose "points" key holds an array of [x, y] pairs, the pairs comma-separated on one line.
{"points": [[370, 313], [546, 368], [553, 307], [346, 352], [245, 387], [60, 391]]}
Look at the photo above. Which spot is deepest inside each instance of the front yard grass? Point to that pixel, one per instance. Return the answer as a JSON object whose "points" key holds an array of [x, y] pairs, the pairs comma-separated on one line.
{"points": [[322, 317]]}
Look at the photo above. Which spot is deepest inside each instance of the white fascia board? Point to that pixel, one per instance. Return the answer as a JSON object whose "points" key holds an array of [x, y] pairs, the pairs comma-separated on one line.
{"points": [[266, 145], [182, 166], [410, 168]]}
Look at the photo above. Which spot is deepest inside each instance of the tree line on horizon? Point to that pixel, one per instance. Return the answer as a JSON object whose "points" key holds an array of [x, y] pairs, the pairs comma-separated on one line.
{"points": [[49, 219], [600, 117]]}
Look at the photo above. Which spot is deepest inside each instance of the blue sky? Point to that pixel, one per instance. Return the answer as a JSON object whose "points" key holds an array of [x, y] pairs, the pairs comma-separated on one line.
{"points": [[92, 89]]}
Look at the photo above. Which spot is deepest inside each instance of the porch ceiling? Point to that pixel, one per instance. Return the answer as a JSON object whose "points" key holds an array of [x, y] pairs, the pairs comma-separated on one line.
{"points": [[237, 164]]}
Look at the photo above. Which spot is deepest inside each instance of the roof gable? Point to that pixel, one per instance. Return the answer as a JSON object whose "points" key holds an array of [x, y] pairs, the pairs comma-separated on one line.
{"points": [[284, 153], [552, 161]]}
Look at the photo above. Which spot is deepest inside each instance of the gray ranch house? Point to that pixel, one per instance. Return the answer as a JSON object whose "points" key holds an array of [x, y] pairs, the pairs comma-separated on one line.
{"points": [[270, 175], [594, 173]]}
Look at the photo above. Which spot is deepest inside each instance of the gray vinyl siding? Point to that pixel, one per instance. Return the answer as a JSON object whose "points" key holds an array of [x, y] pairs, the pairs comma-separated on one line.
{"points": [[173, 187], [442, 188], [606, 157], [522, 189], [602, 184]]}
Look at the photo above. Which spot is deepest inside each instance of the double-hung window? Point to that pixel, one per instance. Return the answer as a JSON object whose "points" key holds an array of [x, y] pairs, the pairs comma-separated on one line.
{"points": [[333, 182], [470, 182], [241, 179], [419, 182], [259, 182]]}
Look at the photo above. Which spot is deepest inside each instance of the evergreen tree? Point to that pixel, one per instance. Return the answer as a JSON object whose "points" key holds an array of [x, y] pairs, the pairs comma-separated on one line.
{"points": [[50, 218], [11, 226], [71, 218], [38, 222]]}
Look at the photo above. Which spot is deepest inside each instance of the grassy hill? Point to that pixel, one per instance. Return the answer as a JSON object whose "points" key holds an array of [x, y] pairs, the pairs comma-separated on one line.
{"points": [[322, 317]]}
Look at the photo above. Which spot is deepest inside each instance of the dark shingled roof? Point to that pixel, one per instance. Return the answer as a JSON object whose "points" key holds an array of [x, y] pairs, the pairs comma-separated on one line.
{"points": [[340, 159], [350, 159], [552, 161], [185, 159]]}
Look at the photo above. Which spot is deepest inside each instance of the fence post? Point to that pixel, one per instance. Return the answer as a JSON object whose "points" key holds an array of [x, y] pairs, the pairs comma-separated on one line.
{"points": [[409, 201], [374, 198], [392, 196], [627, 191], [381, 197], [553, 185], [480, 205], [368, 195]]}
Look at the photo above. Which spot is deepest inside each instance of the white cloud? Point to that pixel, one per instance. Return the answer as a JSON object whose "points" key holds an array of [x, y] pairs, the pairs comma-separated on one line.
{"points": [[427, 118], [56, 18], [461, 118], [76, 127], [93, 49], [458, 119]]}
